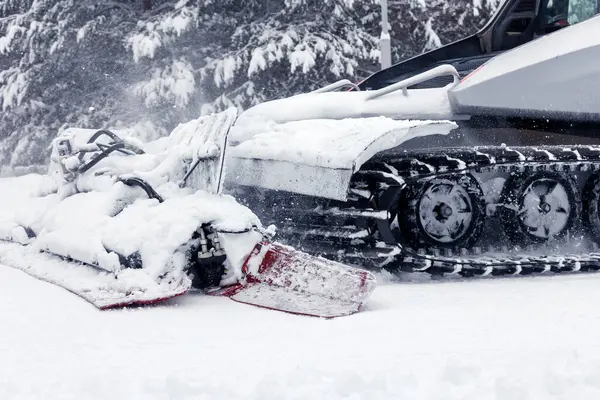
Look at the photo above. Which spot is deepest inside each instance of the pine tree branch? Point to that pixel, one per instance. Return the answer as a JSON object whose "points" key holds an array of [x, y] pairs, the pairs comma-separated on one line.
{"points": [[161, 8], [109, 5]]}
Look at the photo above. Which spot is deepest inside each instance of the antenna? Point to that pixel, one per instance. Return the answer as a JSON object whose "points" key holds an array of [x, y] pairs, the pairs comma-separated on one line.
{"points": [[385, 41]]}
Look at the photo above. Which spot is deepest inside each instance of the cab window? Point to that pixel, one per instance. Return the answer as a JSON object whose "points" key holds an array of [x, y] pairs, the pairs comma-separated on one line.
{"points": [[558, 14]]}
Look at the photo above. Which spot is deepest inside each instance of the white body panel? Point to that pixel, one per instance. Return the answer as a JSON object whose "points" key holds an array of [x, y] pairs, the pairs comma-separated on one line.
{"points": [[555, 76]]}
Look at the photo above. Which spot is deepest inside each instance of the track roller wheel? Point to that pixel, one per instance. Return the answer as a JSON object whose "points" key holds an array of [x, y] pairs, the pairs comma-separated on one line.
{"points": [[591, 206], [539, 207], [444, 212]]}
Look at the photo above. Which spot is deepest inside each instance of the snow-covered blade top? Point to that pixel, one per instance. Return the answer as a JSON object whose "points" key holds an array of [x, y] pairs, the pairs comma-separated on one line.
{"points": [[318, 157]]}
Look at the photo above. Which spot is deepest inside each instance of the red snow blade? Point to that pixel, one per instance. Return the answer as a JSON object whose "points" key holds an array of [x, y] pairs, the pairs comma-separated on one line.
{"points": [[281, 278]]}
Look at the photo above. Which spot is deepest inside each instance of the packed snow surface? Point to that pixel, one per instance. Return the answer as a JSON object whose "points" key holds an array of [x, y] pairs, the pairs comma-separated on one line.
{"points": [[513, 338]]}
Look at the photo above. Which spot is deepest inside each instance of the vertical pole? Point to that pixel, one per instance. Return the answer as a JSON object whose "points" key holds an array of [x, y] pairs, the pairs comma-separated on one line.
{"points": [[385, 46]]}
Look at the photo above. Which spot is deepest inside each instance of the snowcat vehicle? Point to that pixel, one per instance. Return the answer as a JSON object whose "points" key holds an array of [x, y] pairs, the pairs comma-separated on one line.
{"points": [[486, 164], [492, 173]]}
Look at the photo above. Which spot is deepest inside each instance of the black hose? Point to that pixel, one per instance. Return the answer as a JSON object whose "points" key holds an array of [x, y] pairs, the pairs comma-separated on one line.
{"points": [[134, 181], [238, 232], [103, 154], [115, 139], [145, 186], [104, 132]]}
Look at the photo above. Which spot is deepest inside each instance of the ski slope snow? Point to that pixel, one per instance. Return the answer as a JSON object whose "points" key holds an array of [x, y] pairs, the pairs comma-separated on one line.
{"points": [[505, 338]]}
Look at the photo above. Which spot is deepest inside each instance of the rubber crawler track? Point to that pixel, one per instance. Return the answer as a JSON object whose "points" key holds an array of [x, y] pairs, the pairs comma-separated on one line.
{"points": [[359, 232]]}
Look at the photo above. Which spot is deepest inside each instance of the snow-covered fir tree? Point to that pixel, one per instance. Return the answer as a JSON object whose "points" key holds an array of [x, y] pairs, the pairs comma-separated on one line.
{"points": [[67, 67], [150, 64]]}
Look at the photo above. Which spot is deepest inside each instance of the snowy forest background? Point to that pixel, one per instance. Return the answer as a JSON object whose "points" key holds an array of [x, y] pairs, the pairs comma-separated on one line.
{"points": [[147, 65]]}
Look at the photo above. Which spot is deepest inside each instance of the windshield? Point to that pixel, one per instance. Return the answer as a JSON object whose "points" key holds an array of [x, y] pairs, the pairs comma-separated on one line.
{"points": [[561, 13]]}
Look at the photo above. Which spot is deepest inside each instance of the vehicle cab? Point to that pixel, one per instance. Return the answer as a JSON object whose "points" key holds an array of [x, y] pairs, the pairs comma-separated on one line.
{"points": [[514, 23]]}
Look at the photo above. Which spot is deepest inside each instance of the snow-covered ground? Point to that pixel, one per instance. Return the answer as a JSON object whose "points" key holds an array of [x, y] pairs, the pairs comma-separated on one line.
{"points": [[521, 338]]}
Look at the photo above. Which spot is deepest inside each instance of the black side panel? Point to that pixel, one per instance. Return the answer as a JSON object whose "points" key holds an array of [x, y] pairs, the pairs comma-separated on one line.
{"points": [[516, 26], [464, 66], [463, 49]]}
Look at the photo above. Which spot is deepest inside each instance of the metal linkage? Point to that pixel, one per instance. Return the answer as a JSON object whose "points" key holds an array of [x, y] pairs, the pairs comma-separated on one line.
{"points": [[207, 267]]}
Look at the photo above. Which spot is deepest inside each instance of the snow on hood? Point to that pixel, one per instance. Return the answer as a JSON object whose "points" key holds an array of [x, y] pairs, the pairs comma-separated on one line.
{"points": [[420, 104]]}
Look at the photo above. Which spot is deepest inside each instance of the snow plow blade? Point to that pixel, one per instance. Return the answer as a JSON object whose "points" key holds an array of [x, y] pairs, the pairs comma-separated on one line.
{"points": [[317, 157], [277, 277]]}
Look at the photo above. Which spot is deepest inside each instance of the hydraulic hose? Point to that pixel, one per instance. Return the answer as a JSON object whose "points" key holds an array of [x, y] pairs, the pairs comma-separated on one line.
{"points": [[103, 154], [145, 186]]}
